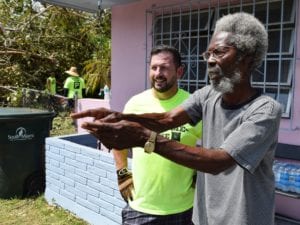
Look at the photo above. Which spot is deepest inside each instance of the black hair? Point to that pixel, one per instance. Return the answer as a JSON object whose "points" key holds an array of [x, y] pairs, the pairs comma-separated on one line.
{"points": [[166, 48]]}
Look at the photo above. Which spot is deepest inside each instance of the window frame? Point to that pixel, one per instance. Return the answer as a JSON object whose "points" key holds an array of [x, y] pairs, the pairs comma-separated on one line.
{"points": [[182, 38]]}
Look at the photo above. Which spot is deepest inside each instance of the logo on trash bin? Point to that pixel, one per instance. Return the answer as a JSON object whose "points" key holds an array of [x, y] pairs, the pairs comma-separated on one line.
{"points": [[21, 135]]}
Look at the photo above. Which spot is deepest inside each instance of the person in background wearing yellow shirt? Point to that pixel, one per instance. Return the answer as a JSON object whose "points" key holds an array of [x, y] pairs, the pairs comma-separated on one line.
{"points": [[51, 84], [74, 86]]}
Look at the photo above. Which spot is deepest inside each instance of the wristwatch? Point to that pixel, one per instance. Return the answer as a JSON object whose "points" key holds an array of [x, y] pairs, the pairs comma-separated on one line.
{"points": [[150, 144], [123, 172]]}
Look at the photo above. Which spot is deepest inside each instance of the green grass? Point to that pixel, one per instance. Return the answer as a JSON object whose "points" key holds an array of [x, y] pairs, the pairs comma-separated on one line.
{"points": [[62, 125], [36, 211]]}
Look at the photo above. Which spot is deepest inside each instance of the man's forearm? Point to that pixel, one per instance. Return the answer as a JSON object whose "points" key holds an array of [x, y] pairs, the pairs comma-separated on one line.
{"points": [[210, 161], [120, 157]]}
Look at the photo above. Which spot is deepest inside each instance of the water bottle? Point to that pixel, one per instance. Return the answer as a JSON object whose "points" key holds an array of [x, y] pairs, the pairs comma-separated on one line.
{"points": [[279, 184], [106, 92], [285, 178], [297, 181], [276, 172], [292, 177]]}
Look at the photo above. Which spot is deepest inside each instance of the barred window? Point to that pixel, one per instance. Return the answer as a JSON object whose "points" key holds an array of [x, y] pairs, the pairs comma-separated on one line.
{"points": [[189, 28]]}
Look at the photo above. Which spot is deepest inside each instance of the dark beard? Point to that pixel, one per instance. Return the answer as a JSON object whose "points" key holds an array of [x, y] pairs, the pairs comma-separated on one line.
{"points": [[164, 88]]}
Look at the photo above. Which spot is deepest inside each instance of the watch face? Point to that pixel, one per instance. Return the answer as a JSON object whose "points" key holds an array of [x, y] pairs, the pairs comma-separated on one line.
{"points": [[123, 171], [149, 147], [150, 144]]}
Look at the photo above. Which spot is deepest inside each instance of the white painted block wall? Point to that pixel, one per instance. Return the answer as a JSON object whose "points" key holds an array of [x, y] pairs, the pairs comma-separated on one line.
{"points": [[82, 179]]}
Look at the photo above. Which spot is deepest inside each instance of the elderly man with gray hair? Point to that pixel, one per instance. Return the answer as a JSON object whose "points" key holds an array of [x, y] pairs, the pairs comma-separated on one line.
{"points": [[235, 183]]}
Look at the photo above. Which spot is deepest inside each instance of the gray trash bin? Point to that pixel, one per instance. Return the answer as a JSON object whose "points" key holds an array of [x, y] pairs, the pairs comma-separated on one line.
{"points": [[22, 154]]}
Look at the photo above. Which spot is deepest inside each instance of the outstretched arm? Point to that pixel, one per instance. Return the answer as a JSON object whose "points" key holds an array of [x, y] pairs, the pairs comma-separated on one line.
{"points": [[198, 158], [125, 134], [154, 121]]}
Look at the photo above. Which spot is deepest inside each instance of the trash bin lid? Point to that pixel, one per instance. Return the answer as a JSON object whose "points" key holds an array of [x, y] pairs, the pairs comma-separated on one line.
{"points": [[17, 112]]}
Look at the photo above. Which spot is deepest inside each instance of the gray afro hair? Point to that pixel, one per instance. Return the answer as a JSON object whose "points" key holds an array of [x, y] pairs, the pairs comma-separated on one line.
{"points": [[249, 35]]}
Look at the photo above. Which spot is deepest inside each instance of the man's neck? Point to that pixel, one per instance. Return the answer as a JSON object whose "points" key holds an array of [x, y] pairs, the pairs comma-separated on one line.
{"points": [[239, 95], [165, 95]]}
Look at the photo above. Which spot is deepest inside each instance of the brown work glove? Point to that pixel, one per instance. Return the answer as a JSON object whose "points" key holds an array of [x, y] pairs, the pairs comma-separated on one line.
{"points": [[125, 183]]}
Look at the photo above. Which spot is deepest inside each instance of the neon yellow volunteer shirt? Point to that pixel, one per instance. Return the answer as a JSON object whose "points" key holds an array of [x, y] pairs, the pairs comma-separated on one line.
{"points": [[74, 85], [162, 187], [52, 82]]}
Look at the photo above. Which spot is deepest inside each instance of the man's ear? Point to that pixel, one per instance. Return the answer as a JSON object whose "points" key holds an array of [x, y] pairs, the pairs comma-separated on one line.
{"points": [[180, 71], [246, 62]]}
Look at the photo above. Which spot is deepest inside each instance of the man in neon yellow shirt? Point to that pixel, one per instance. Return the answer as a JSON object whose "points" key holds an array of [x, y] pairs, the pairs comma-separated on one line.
{"points": [[74, 86], [160, 190], [51, 84]]}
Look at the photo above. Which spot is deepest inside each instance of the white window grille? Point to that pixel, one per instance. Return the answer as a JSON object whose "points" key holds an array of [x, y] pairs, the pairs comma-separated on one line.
{"points": [[189, 26]]}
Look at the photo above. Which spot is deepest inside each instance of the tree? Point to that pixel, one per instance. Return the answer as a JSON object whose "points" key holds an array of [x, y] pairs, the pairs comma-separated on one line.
{"points": [[97, 69], [35, 44]]}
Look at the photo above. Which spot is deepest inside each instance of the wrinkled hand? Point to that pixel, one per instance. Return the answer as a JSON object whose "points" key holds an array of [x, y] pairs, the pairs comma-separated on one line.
{"points": [[118, 135], [126, 187], [103, 114]]}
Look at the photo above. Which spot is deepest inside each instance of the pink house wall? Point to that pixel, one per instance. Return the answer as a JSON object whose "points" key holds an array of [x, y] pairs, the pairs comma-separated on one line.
{"points": [[128, 53], [290, 128], [129, 66], [129, 50], [85, 104]]}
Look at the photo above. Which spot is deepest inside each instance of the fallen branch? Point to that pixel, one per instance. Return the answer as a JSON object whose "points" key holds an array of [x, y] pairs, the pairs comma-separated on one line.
{"points": [[9, 88], [21, 52]]}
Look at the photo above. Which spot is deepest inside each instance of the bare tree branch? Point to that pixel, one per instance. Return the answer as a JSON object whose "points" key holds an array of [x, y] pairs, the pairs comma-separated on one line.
{"points": [[20, 52], [32, 18]]}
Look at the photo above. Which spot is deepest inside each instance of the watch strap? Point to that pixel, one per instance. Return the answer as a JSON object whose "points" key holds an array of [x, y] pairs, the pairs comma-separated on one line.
{"points": [[150, 144], [153, 136]]}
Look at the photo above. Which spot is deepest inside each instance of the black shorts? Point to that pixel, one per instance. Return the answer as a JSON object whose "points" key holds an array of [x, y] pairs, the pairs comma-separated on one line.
{"points": [[133, 217]]}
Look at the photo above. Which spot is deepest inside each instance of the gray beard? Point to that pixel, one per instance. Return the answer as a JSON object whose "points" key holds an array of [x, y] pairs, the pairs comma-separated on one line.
{"points": [[226, 84]]}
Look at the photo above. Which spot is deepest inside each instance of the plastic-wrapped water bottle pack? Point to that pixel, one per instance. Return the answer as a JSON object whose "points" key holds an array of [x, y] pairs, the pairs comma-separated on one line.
{"points": [[287, 176]]}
